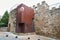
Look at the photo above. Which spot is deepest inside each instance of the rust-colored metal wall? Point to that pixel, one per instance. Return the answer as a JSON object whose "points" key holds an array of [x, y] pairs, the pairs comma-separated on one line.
{"points": [[24, 19]]}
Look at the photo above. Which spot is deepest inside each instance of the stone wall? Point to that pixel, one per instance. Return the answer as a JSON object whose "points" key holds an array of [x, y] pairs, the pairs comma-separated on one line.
{"points": [[47, 22], [3, 29], [12, 21]]}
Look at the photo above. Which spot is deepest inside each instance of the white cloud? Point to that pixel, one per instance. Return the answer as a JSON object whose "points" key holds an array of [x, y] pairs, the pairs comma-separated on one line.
{"points": [[8, 4]]}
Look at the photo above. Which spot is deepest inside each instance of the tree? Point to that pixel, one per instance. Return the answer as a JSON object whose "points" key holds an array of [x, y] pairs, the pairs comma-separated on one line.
{"points": [[4, 19]]}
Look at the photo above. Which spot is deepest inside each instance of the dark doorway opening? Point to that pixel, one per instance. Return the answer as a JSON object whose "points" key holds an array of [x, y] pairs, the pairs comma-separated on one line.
{"points": [[21, 27]]}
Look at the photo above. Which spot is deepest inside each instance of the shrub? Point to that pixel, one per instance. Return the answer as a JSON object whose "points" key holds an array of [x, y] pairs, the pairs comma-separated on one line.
{"points": [[3, 25]]}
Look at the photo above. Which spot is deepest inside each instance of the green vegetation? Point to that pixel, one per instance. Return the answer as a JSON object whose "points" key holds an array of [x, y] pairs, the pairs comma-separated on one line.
{"points": [[4, 20]]}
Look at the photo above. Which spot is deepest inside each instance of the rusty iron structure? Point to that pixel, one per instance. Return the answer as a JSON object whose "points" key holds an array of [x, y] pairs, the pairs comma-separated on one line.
{"points": [[24, 19]]}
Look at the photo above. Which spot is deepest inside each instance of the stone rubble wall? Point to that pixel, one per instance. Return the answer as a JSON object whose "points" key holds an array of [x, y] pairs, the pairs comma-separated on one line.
{"points": [[12, 21], [47, 22], [3, 29]]}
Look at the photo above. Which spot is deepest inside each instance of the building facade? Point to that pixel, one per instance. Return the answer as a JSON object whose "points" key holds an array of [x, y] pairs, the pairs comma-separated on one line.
{"points": [[21, 20]]}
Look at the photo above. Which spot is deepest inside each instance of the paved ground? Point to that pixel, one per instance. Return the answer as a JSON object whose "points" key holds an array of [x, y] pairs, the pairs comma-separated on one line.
{"points": [[27, 37]]}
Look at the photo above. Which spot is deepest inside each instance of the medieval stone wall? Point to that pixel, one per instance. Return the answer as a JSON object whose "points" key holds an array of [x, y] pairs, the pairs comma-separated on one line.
{"points": [[12, 21], [47, 22]]}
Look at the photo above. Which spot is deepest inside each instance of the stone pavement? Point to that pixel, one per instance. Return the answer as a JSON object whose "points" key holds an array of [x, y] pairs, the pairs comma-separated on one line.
{"points": [[25, 37]]}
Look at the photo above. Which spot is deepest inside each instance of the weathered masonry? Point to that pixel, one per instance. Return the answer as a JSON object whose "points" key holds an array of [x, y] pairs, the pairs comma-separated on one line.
{"points": [[47, 22]]}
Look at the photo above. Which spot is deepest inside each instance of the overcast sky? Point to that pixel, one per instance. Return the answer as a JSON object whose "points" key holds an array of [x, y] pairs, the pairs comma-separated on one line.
{"points": [[10, 4]]}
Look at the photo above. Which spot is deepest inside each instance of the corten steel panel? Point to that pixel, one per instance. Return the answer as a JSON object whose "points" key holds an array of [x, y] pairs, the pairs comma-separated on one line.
{"points": [[26, 18]]}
